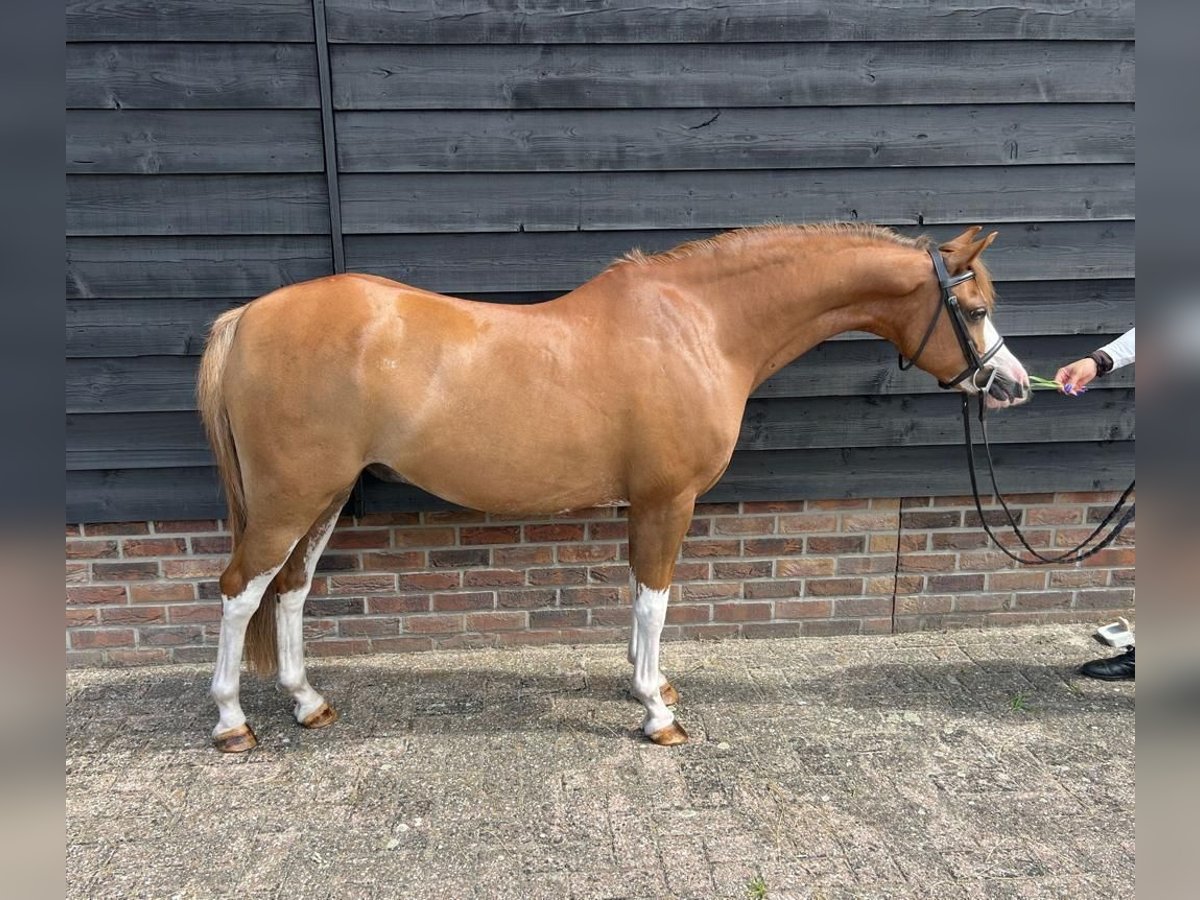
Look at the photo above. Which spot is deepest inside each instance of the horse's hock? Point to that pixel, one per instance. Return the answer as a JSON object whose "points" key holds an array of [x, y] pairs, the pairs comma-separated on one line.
{"points": [[146, 592]]}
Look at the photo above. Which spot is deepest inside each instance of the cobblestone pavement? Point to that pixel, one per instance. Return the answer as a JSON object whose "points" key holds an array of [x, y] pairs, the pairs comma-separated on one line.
{"points": [[967, 764]]}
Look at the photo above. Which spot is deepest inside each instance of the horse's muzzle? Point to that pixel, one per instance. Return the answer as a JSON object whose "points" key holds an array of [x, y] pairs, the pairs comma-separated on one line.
{"points": [[1005, 390]]}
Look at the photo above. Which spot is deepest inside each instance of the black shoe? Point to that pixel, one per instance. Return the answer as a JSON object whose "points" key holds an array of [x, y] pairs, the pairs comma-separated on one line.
{"points": [[1110, 668]]}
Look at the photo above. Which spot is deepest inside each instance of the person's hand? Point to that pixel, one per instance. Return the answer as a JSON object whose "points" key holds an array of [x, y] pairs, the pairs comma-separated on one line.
{"points": [[1073, 379]]}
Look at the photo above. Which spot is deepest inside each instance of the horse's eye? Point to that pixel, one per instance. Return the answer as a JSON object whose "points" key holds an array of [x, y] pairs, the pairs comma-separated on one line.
{"points": [[977, 314]]}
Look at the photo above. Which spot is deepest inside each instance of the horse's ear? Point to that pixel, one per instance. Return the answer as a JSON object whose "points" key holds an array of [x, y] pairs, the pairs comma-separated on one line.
{"points": [[962, 251]]}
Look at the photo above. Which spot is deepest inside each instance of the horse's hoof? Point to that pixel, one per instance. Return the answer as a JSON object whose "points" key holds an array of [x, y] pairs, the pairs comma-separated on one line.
{"points": [[670, 736], [669, 695], [325, 716], [236, 740]]}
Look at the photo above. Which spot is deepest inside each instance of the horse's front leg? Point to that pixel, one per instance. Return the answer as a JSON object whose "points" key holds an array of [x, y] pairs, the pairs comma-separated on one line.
{"points": [[655, 532]]}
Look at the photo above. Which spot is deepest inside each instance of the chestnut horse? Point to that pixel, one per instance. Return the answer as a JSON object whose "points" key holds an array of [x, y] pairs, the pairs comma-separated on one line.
{"points": [[629, 390]]}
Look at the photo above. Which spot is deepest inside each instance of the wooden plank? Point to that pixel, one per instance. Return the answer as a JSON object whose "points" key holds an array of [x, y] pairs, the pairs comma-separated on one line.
{"points": [[152, 142], [802, 137], [133, 495], [157, 327], [191, 76], [833, 369], [243, 266], [631, 76], [561, 261], [664, 21], [158, 440], [189, 20], [412, 203], [196, 204], [869, 472]]}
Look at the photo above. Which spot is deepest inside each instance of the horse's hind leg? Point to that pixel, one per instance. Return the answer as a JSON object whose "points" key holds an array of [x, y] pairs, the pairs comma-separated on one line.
{"points": [[655, 532], [294, 582]]}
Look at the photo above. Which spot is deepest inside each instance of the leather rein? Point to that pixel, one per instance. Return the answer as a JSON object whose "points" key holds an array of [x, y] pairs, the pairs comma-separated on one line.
{"points": [[975, 365]]}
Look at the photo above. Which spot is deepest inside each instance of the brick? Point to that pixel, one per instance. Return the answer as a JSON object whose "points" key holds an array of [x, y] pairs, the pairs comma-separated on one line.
{"points": [[865, 565], [805, 566], [334, 606], [124, 571], [839, 503], [1112, 557], [133, 615], [872, 521], [493, 578], [132, 547], [924, 604], [77, 618], [699, 528], [611, 616], [463, 601], [710, 591], [362, 584], [741, 612], [615, 574], [954, 583], [433, 624], [162, 592], [750, 507], [608, 531], [198, 614], [711, 632], [195, 567], [583, 553], [360, 539], [557, 576], [1054, 515], [528, 599], [490, 534], [697, 571], [876, 625], [518, 557], [848, 544], [981, 602], [410, 603], [406, 644], [769, 590], [1017, 581], [590, 596], [370, 626], [958, 540], [77, 573], [454, 516], [831, 587], [710, 549], [925, 519], [803, 609], [984, 561], [1109, 497], [1042, 600], [885, 503], [807, 523], [103, 529], [904, 543], [172, 636], [497, 621], [464, 641], [686, 614], [319, 629], [1077, 578], [185, 526], [142, 656], [91, 549], [741, 570], [74, 530], [1111, 598], [830, 627], [928, 562], [994, 517], [561, 618], [395, 561], [717, 509], [744, 525], [207, 654], [1123, 577], [99, 638], [860, 607], [389, 518], [771, 630], [773, 546], [339, 562], [429, 581], [558, 532], [342, 647], [423, 537], [214, 544], [88, 594]]}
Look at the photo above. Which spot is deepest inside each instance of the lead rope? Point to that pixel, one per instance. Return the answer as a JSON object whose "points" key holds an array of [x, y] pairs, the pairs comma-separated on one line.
{"points": [[1075, 554]]}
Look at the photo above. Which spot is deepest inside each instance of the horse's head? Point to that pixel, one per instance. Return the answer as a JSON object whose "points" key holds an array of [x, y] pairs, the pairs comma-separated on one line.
{"points": [[953, 337]]}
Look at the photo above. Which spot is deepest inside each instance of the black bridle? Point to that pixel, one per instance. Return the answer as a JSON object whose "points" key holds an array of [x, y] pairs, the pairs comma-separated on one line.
{"points": [[975, 365]]}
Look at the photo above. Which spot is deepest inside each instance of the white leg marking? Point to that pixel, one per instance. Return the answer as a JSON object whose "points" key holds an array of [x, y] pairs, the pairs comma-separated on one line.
{"points": [[289, 632], [649, 613], [227, 675]]}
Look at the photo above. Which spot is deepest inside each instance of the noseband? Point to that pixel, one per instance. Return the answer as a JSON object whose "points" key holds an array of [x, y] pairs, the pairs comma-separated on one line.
{"points": [[949, 302]]}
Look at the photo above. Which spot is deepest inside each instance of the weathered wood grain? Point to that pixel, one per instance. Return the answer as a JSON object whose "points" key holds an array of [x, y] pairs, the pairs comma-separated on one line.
{"points": [[189, 20], [629, 76], [191, 76], [663, 139], [151, 142]]}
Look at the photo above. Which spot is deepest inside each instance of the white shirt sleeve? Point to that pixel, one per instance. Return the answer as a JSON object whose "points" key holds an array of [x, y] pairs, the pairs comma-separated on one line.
{"points": [[1121, 350]]}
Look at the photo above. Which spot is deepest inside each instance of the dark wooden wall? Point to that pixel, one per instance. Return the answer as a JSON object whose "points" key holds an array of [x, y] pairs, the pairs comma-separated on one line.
{"points": [[509, 150]]}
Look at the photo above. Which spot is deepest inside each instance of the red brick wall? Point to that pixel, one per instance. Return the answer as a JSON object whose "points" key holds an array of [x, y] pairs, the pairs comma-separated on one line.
{"points": [[145, 592]]}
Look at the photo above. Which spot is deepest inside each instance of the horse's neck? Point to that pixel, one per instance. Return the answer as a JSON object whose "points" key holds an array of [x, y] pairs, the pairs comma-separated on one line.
{"points": [[780, 295]]}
